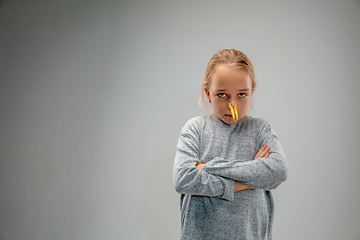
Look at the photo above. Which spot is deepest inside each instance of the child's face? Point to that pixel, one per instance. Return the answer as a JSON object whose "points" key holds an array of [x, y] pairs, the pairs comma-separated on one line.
{"points": [[230, 86]]}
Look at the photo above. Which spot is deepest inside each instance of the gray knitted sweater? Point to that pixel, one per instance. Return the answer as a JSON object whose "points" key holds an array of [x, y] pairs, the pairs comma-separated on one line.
{"points": [[209, 207]]}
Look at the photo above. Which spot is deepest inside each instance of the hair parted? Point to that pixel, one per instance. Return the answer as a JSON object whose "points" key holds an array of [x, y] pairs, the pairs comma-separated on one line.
{"points": [[231, 58]]}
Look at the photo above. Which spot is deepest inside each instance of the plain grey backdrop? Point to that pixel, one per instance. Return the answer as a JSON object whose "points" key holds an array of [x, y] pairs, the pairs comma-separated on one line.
{"points": [[94, 94]]}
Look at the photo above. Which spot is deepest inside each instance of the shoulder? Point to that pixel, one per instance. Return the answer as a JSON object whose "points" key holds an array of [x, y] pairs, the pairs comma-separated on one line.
{"points": [[256, 123], [263, 128], [195, 123], [195, 120], [191, 131]]}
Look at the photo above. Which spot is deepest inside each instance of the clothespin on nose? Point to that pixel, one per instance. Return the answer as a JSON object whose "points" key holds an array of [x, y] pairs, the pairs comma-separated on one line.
{"points": [[234, 112]]}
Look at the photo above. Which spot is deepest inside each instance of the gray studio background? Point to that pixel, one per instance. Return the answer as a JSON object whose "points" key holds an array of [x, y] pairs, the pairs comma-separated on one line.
{"points": [[94, 94]]}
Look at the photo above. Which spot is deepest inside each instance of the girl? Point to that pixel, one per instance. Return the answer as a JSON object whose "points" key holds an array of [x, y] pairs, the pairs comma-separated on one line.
{"points": [[227, 162]]}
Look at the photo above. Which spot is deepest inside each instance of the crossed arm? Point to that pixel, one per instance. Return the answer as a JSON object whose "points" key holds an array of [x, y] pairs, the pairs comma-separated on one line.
{"points": [[221, 177], [262, 153]]}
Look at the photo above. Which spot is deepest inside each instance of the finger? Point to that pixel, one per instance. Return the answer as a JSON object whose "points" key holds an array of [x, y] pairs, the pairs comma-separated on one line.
{"points": [[200, 165], [265, 152], [266, 149], [262, 151], [260, 155]]}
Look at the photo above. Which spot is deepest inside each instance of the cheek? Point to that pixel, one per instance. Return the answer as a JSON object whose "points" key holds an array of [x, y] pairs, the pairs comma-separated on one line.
{"points": [[244, 107], [218, 106]]}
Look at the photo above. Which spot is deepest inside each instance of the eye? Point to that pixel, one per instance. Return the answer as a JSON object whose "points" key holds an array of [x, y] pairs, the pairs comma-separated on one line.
{"points": [[222, 95], [242, 95]]}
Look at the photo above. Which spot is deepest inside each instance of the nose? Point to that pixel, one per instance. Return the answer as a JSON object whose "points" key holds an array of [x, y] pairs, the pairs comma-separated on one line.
{"points": [[233, 99], [232, 102]]}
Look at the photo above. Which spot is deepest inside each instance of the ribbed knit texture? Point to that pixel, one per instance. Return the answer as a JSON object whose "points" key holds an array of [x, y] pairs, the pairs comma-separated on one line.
{"points": [[209, 207]]}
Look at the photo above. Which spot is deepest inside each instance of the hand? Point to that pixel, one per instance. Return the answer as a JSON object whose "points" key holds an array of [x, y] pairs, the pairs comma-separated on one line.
{"points": [[200, 165], [263, 152], [240, 187]]}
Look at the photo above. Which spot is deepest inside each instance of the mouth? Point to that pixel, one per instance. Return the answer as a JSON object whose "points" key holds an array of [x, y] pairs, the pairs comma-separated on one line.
{"points": [[228, 115]]}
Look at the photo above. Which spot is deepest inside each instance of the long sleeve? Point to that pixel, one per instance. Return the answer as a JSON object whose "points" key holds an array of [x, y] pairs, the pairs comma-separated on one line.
{"points": [[193, 181], [262, 173], [227, 150]]}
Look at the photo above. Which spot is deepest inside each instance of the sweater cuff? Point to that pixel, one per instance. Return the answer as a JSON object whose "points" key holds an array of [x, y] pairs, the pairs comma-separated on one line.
{"points": [[228, 190]]}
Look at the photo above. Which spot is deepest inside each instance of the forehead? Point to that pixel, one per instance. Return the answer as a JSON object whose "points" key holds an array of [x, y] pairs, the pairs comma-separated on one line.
{"points": [[227, 79]]}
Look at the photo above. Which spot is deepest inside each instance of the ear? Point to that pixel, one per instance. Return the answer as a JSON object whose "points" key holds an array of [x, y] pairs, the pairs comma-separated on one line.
{"points": [[252, 92], [207, 93]]}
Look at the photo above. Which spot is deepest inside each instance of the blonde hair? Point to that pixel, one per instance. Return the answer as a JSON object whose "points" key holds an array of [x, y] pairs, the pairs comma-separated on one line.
{"points": [[231, 58]]}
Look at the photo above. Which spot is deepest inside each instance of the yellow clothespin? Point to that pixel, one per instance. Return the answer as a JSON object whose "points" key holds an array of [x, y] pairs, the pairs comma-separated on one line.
{"points": [[234, 112]]}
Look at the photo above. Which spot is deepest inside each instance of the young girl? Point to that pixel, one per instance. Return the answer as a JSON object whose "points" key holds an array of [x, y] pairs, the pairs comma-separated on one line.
{"points": [[227, 162]]}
